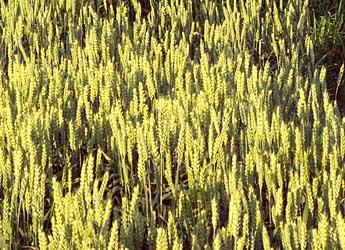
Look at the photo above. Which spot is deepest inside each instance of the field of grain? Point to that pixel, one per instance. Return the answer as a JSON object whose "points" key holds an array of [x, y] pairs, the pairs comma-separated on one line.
{"points": [[172, 124]]}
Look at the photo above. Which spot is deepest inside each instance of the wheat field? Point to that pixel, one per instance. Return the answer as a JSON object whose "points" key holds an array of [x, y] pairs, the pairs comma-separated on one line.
{"points": [[171, 124]]}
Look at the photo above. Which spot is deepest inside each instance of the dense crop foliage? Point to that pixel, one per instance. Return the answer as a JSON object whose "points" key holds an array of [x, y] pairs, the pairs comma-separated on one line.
{"points": [[168, 125]]}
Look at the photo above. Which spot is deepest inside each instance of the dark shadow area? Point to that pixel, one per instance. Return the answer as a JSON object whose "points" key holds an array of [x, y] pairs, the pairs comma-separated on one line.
{"points": [[328, 33]]}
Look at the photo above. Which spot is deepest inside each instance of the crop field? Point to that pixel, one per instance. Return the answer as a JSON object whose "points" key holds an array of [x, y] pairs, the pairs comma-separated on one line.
{"points": [[172, 124]]}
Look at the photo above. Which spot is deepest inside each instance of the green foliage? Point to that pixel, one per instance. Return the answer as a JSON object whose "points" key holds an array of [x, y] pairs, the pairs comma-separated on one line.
{"points": [[169, 125]]}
